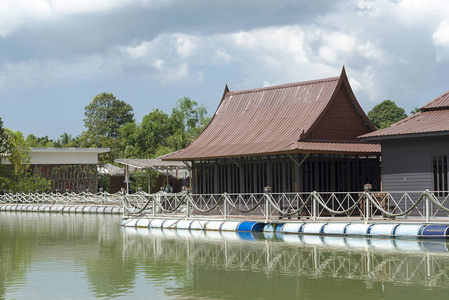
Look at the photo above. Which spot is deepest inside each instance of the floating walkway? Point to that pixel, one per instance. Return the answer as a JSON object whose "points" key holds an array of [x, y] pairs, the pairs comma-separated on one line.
{"points": [[345, 229], [79, 208]]}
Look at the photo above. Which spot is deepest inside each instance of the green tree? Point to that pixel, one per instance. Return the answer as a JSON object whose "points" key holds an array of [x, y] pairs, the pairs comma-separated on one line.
{"points": [[105, 115], [20, 157], [128, 141], [187, 121], [159, 133], [153, 133], [414, 111], [17, 178], [39, 142], [5, 142], [385, 114], [66, 140]]}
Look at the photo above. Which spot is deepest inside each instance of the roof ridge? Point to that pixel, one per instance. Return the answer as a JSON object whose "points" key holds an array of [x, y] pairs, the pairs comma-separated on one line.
{"points": [[426, 108], [287, 85], [406, 119]]}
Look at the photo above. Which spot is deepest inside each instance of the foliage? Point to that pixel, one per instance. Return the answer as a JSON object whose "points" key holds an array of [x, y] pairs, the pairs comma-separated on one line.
{"points": [[17, 178], [414, 111], [20, 152], [385, 114], [188, 119], [110, 124], [23, 182], [105, 115], [159, 133], [153, 132], [39, 142], [5, 141], [139, 179]]}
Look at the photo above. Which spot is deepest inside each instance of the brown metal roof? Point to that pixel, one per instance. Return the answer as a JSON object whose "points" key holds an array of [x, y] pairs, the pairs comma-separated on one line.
{"points": [[269, 120], [440, 102], [433, 121], [335, 147]]}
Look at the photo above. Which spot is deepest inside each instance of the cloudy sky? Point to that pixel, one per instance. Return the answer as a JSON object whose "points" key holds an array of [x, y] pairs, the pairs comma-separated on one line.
{"points": [[56, 55]]}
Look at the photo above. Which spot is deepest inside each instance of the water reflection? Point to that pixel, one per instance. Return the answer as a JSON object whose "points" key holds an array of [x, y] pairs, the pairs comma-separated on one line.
{"points": [[91, 256], [414, 262]]}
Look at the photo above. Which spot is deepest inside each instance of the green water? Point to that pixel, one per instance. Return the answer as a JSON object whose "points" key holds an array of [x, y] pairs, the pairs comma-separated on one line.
{"points": [[74, 256]]}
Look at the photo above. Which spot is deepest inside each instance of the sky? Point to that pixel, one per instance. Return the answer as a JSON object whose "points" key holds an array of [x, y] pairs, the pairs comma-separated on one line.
{"points": [[56, 55]]}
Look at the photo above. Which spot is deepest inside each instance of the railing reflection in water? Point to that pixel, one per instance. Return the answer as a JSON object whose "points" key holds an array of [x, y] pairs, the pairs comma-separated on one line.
{"points": [[409, 262]]}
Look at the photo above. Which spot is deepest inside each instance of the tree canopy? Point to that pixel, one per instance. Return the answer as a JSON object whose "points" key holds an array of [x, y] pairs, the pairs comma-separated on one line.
{"points": [[160, 133], [5, 141], [105, 115], [110, 124], [385, 114], [18, 178]]}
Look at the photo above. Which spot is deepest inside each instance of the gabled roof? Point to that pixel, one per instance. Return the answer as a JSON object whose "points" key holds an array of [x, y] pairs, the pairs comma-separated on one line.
{"points": [[271, 120], [432, 119]]}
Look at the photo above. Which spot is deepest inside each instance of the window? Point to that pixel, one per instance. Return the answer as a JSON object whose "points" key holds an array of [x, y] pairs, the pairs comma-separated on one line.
{"points": [[440, 174]]}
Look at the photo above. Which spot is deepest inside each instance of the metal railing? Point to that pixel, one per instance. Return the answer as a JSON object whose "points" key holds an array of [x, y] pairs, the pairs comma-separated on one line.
{"points": [[427, 205], [367, 205], [67, 198]]}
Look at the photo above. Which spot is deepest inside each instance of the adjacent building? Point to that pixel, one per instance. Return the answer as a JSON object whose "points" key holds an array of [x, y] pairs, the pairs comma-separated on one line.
{"points": [[415, 150], [73, 169]]}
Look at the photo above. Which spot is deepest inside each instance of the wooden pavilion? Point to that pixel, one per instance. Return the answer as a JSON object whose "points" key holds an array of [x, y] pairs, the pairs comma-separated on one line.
{"points": [[296, 137]]}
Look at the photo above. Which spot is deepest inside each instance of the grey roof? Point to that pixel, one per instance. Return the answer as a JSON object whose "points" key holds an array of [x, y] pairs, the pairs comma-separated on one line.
{"points": [[155, 164], [70, 150], [171, 168]]}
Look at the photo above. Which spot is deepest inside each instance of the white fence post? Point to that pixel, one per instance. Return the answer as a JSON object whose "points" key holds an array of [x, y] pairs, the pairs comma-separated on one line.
{"points": [[367, 204], [153, 211], [267, 191], [225, 206], [427, 206], [187, 205]]}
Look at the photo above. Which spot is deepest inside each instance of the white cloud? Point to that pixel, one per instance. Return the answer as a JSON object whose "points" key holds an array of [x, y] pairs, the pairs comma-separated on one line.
{"points": [[336, 47], [179, 73], [271, 42], [136, 52], [185, 44], [159, 64], [441, 35], [371, 51], [441, 41], [222, 56]]}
